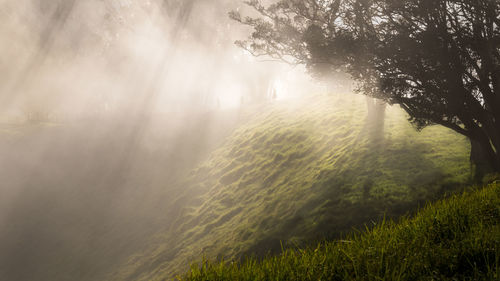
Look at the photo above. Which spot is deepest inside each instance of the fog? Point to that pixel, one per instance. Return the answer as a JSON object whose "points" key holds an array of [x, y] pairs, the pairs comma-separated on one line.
{"points": [[76, 59], [104, 106]]}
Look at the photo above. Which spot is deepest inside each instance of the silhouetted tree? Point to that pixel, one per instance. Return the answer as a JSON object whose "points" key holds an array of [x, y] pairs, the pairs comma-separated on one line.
{"points": [[438, 59]]}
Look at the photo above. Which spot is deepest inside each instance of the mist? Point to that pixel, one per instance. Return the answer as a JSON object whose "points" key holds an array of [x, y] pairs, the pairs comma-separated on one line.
{"points": [[104, 107], [137, 138]]}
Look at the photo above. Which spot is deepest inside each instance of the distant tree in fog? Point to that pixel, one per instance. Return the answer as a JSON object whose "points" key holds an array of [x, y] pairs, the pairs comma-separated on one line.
{"points": [[438, 59], [205, 22]]}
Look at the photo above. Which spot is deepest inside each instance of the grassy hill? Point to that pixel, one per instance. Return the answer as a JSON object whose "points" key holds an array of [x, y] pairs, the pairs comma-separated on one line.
{"points": [[299, 172], [455, 239]]}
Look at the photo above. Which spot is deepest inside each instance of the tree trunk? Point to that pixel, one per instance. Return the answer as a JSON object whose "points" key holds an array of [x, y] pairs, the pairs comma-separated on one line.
{"points": [[375, 118], [484, 158]]}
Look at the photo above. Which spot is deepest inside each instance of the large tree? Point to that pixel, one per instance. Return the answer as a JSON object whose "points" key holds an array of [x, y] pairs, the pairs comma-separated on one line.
{"points": [[438, 59]]}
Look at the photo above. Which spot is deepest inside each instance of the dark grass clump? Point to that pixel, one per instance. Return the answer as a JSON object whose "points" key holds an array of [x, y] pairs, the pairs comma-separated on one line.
{"points": [[454, 239]]}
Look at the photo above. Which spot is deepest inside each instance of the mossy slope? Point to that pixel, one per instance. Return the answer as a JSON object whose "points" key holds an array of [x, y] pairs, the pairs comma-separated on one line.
{"points": [[300, 171]]}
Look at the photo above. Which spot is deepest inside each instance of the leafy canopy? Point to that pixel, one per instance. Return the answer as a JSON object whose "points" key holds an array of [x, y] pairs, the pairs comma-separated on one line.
{"points": [[438, 59]]}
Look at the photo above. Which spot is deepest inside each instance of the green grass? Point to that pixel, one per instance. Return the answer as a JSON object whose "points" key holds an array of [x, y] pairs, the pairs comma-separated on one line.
{"points": [[299, 172], [454, 239]]}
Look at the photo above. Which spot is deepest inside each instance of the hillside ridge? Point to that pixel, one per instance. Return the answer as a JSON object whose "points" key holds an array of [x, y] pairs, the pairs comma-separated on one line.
{"points": [[300, 172]]}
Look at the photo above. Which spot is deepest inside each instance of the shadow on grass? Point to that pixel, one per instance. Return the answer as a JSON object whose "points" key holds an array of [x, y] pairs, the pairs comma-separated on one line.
{"points": [[360, 195]]}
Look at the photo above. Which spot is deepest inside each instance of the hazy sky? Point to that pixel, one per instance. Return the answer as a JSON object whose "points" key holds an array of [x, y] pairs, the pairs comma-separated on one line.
{"points": [[72, 57]]}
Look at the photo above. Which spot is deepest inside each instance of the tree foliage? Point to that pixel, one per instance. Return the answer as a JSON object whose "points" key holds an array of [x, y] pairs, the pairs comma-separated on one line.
{"points": [[438, 59]]}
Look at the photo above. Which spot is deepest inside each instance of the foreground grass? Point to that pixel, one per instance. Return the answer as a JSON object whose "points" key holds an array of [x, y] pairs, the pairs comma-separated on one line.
{"points": [[454, 239]]}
